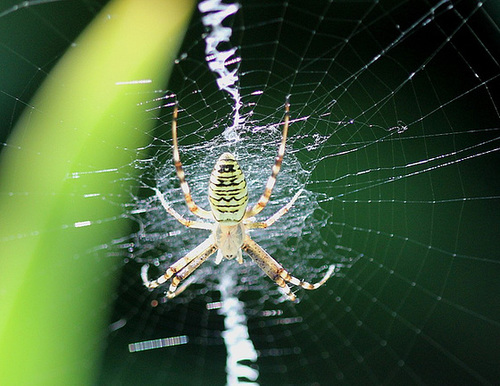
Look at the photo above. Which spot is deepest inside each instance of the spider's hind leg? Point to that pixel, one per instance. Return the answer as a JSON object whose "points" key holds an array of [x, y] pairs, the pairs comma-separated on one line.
{"points": [[195, 209], [264, 199]]}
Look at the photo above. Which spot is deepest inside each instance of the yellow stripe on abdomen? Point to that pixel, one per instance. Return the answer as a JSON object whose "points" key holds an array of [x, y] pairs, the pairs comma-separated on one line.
{"points": [[227, 190]]}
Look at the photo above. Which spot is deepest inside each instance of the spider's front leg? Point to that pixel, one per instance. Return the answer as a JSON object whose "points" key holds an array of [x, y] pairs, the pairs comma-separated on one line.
{"points": [[276, 271], [182, 268]]}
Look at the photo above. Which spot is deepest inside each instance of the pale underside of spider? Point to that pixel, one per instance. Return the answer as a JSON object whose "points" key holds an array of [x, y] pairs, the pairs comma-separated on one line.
{"points": [[231, 221]]}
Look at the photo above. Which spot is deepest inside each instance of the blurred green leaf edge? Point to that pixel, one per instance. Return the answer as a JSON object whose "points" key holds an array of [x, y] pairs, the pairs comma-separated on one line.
{"points": [[55, 295]]}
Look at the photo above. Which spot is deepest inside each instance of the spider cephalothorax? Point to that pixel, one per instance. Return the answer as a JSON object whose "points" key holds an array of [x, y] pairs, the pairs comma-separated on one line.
{"points": [[232, 219]]}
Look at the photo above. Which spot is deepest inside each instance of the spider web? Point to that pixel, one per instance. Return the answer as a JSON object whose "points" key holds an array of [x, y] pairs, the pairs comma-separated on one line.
{"points": [[393, 138]]}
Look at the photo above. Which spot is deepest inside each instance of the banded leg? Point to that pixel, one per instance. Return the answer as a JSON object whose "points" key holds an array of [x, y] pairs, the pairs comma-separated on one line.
{"points": [[173, 291], [275, 217], [276, 272], [195, 209], [206, 248], [171, 211], [264, 199]]}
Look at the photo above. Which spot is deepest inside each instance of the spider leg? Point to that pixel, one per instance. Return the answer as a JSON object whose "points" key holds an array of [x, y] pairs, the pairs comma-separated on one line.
{"points": [[276, 271], [173, 291], [202, 251], [271, 220], [195, 209], [178, 217], [264, 199]]}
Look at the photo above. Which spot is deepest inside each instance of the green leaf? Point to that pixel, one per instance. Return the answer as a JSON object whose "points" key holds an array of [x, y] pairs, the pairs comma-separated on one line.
{"points": [[54, 294]]}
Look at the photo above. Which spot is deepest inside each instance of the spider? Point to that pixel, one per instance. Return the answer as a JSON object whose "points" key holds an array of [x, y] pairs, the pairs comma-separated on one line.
{"points": [[232, 220]]}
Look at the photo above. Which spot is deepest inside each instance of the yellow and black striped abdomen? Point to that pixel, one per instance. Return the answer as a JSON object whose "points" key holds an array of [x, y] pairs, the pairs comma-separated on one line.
{"points": [[227, 191]]}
